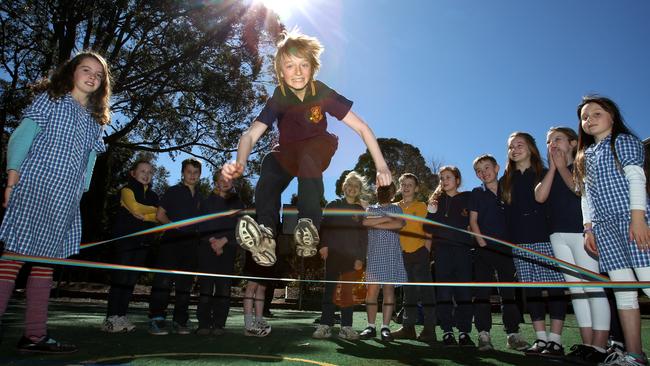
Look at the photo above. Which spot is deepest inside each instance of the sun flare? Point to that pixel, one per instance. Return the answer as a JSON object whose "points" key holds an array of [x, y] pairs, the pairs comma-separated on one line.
{"points": [[283, 8]]}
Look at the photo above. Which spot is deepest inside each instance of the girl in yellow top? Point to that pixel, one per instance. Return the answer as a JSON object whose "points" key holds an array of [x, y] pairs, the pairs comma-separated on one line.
{"points": [[138, 205]]}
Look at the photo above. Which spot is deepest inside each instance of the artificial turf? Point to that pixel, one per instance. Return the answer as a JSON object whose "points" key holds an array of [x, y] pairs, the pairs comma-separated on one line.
{"points": [[289, 343]]}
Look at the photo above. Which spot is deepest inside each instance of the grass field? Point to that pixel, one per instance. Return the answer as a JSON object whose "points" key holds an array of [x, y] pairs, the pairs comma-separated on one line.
{"points": [[290, 343]]}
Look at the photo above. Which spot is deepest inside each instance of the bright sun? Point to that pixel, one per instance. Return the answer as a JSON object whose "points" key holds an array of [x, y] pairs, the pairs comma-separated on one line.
{"points": [[283, 8]]}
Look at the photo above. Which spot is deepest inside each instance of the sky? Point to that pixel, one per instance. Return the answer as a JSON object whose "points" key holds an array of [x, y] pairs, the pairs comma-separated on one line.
{"points": [[456, 77]]}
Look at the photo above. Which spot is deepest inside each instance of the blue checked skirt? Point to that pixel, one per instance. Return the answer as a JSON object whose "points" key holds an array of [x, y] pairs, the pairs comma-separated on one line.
{"points": [[43, 217], [384, 260], [534, 269], [615, 249]]}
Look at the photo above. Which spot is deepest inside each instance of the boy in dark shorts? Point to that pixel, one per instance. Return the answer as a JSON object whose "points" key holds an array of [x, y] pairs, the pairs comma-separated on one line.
{"points": [[299, 105]]}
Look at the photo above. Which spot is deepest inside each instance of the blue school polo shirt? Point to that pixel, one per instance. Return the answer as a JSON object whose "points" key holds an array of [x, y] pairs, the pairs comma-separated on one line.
{"points": [[525, 217], [301, 120], [565, 212], [491, 213]]}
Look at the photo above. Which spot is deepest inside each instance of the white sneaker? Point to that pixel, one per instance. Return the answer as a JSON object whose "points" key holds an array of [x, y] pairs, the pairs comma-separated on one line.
{"points": [[256, 239], [485, 342], [306, 237], [517, 342], [126, 324], [260, 328], [348, 333], [322, 332], [624, 359], [112, 324]]}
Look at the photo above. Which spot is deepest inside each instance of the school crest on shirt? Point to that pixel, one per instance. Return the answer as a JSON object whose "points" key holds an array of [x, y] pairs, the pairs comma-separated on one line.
{"points": [[464, 212], [315, 114]]}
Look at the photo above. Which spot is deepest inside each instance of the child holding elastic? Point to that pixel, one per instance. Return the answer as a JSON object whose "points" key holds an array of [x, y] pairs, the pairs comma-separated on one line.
{"points": [[216, 254], [344, 241], [452, 256], [557, 189], [528, 228], [609, 168], [384, 260], [137, 212], [50, 158]]}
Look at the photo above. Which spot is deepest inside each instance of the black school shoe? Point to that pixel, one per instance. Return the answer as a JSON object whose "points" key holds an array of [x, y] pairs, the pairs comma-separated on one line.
{"points": [[368, 333], [46, 345], [553, 350], [448, 340], [386, 336], [585, 355], [464, 340], [536, 349]]}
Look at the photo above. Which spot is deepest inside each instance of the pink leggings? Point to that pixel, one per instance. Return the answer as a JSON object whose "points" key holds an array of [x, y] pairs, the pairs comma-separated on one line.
{"points": [[38, 289]]}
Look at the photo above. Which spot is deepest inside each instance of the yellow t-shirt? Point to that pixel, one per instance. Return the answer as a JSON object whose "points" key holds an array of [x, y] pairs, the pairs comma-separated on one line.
{"points": [[412, 236]]}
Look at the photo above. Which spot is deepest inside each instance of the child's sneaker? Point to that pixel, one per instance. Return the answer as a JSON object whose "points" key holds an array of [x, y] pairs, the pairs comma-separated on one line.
{"points": [[624, 359], [464, 340], [112, 325], [517, 342], [46, 345], [448, 340], [258, 329], [181, 329], [126, 324], [485, 342], [157, 326], [348, 333], [306, 237], [322, 332], [256, 239]]}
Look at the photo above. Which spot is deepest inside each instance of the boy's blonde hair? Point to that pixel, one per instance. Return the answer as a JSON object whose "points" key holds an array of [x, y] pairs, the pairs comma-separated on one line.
{"points": [[352, 177], [297, 44]]}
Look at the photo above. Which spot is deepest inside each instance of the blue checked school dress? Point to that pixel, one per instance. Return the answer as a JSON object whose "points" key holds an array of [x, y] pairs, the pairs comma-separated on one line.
{"points": [[43, 217], [608, 193], [384, 258]]}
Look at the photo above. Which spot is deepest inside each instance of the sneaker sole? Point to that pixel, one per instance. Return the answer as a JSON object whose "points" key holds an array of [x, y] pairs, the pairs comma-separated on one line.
{"points": [[307, 239], [158, 334], [248, 233], [249, 236]]}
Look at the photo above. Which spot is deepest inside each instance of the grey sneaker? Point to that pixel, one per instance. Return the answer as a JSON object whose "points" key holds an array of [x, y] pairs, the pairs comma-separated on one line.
{"points": [[126, 324], [485, 342], [256, 239], [182, 329], [322, 332], [158, 326], [258, 329], [624, 359], [112, 325], [517, 342], [348, 333], [306, 237]]}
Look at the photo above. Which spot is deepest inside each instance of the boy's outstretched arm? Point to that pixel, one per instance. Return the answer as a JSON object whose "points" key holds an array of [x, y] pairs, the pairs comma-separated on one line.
{"points": [[248, 139], [353, 121]]}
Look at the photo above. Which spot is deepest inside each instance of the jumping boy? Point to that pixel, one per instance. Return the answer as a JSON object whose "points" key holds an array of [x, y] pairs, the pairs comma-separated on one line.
{"points": [[487, 217], [305, 149], [416, 247]]}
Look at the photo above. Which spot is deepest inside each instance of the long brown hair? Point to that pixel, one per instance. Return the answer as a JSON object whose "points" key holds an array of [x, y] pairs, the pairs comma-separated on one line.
{"points": [[435, 196], [585, 140], [535, 163], [61, 82]]}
